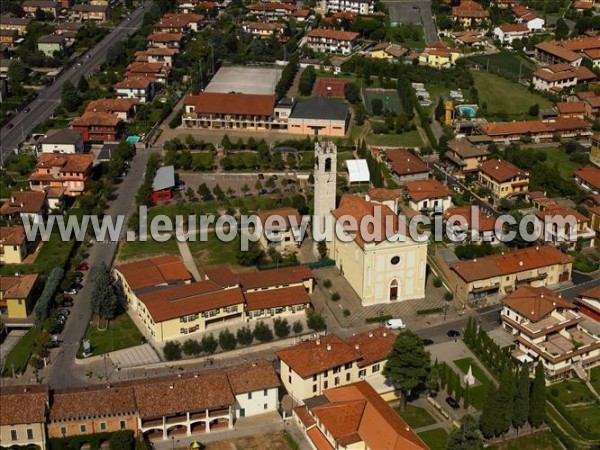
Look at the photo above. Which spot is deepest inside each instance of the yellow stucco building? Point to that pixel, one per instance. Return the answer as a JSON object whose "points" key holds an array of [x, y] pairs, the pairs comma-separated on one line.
{"points": [[16, 300], [23, 411]]}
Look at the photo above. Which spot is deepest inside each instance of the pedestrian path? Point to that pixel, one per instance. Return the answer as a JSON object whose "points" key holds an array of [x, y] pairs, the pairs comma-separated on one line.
{"points": [[139, 355], [188, 259]]}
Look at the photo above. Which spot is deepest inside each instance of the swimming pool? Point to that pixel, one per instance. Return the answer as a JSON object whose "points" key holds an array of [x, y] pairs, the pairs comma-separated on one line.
{"points": [[467, 111], [133, 139]]}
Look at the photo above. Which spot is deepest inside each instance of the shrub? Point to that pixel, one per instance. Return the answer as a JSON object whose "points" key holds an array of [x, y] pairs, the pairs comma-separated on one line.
{"points": [[346, 312], [172, 351], [191, 347], [437, 283], [227, 340], [316, 322], [209, 344], [122, 440], [335, 296], [297, 327], [44, 304], [244, 336], [282, 328], [379, 319], [262, 332], [327, 283], [448, 296]]}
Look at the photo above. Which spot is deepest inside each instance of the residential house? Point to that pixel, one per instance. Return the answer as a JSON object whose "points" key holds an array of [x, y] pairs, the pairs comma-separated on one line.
{"points": [[535, 129], [405, 165], [87, 11], [10, 22], [277, 228], [310, 368], [331, 41], [502, 273], [593, 54], [319, 116], [557, 77], [179, 23], [354, 416], [157, 72], [588, 302], [62, 170], [547, 329], [14, 245], [157, 55], [588, 178], [17, 296], [24, 205], [97, 126], [123, 108], [265, 30], [440, 56], [564, 227], [570, 51], [23, 412], [470, 14], [528, 17], [508, 32], [595, 150], [571, 110], [62, 141], [503, 4], [256, 388], [95, 409], [387, 50], [471, 224], [140, 88], [465, 156], [428, 196], [166, 40], [469, 38], [271, 11], [383, 266], [502, 178], [8, 36], [31, 6], [51, 44], [362, 7]]}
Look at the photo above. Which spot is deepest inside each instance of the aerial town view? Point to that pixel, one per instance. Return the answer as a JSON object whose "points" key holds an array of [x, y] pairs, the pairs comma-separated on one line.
{"points": [[299, 224]]}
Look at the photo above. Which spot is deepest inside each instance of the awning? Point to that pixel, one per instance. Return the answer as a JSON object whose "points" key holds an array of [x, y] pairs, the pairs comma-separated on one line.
{"points": [[358, 171]]}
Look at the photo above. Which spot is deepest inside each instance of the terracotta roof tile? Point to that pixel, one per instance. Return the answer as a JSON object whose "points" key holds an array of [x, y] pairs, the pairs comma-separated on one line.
{"points": [[374, 345], [275, 277], [13, 235], [276, 298], [486, 223], [557, 50], [514, 28], [23, 404], [554, 210], [284, 214], [94, 401], [423, 189], [112, 105], [222, 275], [154, 272], [403, 162], [17, 287], [134, 83], [590, 175], [570, 107], [68, 162], [242, 104], [252, 377], [535, 303], [501, 170], [332, 34], [165, 37], [24, 202], [90, 119]]}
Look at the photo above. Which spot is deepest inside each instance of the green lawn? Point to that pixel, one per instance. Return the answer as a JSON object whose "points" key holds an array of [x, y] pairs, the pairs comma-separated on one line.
{"points": [[595, 380], [436, 439], [18, 357], [416, 417], [544, 440], [588, 419], [121, 333], [504, 97], [477, 394], [558, 157], [143, 250], [213, 252], [410, 139], [341, 160], [505, 63], [571, 391], [202, 161]]}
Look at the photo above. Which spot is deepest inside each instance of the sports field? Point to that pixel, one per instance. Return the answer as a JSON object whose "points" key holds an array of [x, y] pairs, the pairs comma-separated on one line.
{"points": [[331, 87], [389, 97]]}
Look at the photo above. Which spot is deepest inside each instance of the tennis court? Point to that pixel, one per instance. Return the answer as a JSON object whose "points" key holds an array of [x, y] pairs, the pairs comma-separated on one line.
{"points": [[331, 87], [389, 98]]}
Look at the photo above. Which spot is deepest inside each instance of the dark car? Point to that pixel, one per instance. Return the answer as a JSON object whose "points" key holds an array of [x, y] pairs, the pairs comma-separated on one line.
{"points": [[27, 110], [453, 333], [56, 329], [452, 403], [261, 176], [273, 177], [67, 303], [9, 126], [78, 274], [427, 342]]}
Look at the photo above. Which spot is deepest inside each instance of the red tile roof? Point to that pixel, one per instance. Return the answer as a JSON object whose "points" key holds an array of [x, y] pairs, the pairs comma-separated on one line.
{"points": [[252, 377], [284, 276], [283, 214], [501, 171], [91, 119], [238, 104], [13, 235], [509, 263], [17, 287], [271, 6], [469, 8], [560, 211], [486, 223], [535, 303], [276, 298], [112, 105], [374, 345], [23, 202], [134, 83], [424, 189], [23, 404], [590, 175], [68, 162], [155, 271], [404, 162], [74, 404], [165, 37], [570, 107], [514, 28], [332, 34], [557, 50]]}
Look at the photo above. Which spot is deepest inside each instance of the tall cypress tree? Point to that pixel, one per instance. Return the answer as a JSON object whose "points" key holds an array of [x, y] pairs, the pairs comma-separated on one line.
{"points": [[488, 422], [521, 403], [537, 403], [506, 396]]}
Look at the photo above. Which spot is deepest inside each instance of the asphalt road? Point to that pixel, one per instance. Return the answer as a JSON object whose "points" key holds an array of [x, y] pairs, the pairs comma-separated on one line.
{"points": [[414, 11], [63, 358], [49, 98]]}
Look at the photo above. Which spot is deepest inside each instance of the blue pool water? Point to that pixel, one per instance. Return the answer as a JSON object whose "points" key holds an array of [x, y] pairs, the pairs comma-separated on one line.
{"points": [[466, 111], [133, 139]]}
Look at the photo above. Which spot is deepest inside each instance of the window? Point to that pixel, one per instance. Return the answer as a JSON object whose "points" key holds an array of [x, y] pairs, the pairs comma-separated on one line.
{"points": [[315, 377], [13, 435], [348, 366], [122, 424], [290, 379], [103, 426], [265, 406], [249, 395], [266, 392], [63, 431], [337, 381], [375, 368], [314, 388], [83, 428], [325, 374], [362, 373], [337, 369], [29, 433], [395, 260], [347, 377], [326, 385]]}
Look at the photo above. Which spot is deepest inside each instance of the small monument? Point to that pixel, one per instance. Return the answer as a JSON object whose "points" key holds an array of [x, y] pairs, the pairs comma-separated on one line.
{"points": [[469, 379], [87, 348]]}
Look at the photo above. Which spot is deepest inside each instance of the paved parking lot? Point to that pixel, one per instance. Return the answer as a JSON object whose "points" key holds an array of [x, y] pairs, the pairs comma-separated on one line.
{"points": [[413, 11]]}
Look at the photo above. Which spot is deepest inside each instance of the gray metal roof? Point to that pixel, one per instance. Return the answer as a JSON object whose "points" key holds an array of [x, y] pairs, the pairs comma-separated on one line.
{"points": [[63, 137], [320, 108], [164, 178]]}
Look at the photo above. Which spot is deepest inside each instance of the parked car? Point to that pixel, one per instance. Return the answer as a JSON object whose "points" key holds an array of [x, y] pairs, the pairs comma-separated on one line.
{"points": [[56, 329], [261, 176], [70, 291], [78, 274], [54, 342], [453, 333], [67, 303], [64, 312], [273, 177], [427, 342], [83, 267], [395, 324], [452, 403], [9, 126]]}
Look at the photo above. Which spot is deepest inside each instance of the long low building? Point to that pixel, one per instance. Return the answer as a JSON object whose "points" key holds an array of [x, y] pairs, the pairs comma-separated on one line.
{"points": [[503, 273], [535, 129], [170, 305]]}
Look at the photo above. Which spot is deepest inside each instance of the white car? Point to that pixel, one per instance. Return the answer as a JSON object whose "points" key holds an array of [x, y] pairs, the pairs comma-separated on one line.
{"points": [[395, 324]]}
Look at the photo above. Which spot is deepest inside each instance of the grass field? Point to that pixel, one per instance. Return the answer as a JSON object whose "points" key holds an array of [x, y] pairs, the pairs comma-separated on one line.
{"points": [[477, 394], [213, 252], [571, 391], [588, 418], [342, 157], [504, 97], [436, 439], [544, 440], [121, 333], [416, 417], [18, 357], [389, 98], [595, 380], [505, 64], [558, 157], [142, 250], [410, 139]]}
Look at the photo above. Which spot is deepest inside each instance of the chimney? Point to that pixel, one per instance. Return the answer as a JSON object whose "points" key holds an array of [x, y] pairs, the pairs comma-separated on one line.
{"points": [[253, 363], [25, 389], [371, 334], [521, 263], [318, 342], [357, 347], [474, 259], [541, 295], [12, 199], [329, 347], [171, 386]]}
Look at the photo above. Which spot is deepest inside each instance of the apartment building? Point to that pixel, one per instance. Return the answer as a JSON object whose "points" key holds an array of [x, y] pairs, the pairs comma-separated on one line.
{"points": [[179, 23], [10, 22], [331, 41], [502, 178], [502, 274], [470, 14], [23, 411], [561, 76], [271, 11], [87, 11], [588, 178], [428, 196], [465, 156], [166, 40], [472, 223], [62, 170], [564, 227], [547, 329], [310, 368], [136, 87], [265, 30], [157, 55], [123, 108], [362, 7], [98, 126]]}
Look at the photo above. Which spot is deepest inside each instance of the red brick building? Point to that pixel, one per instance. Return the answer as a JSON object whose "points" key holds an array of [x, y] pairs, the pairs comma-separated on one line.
{"points": [[97, 126]]}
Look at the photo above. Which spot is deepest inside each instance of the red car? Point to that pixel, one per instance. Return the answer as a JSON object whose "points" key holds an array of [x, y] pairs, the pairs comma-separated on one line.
{"points": [[83, 267]]}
